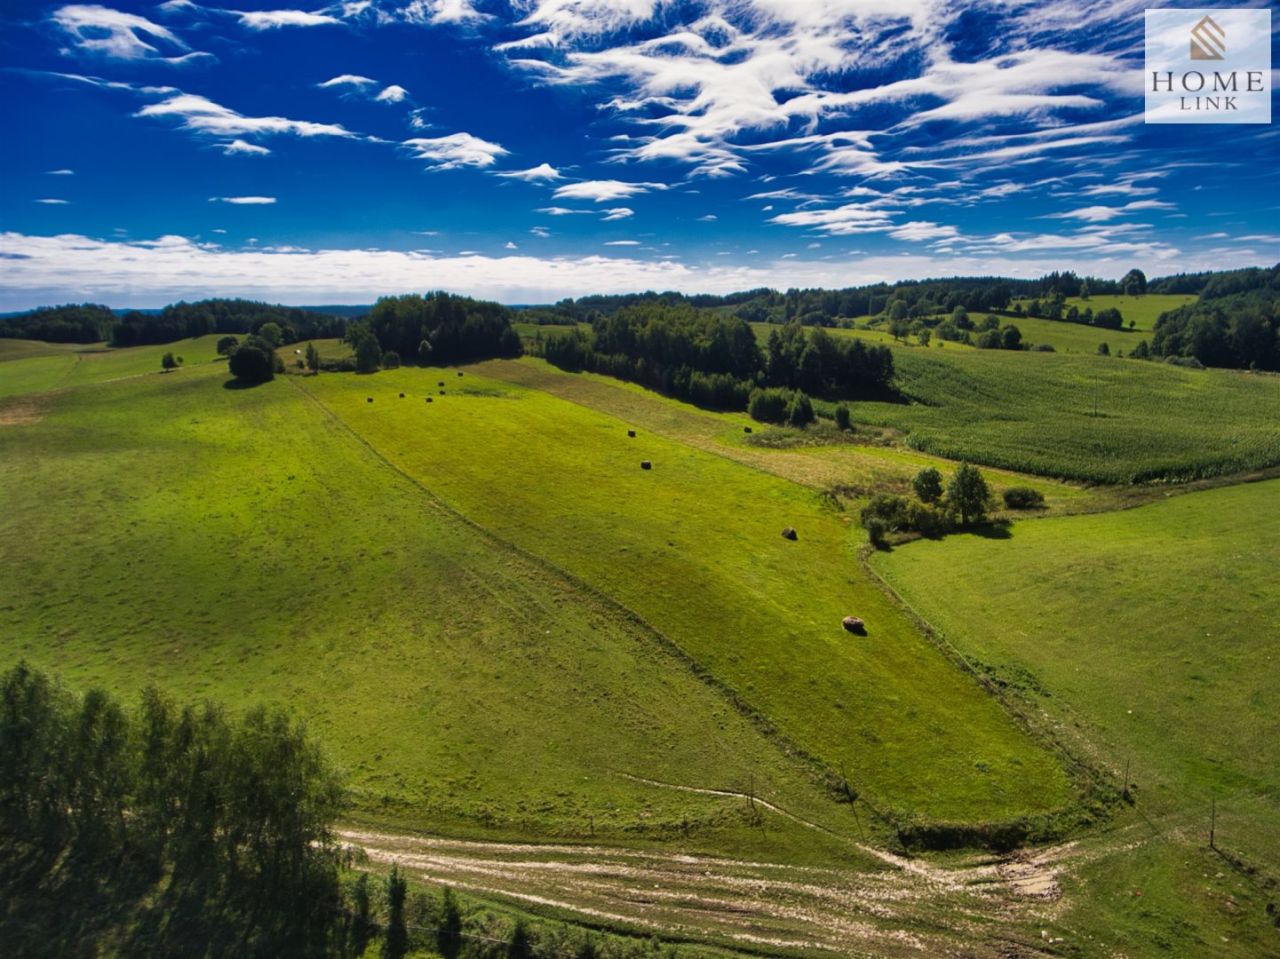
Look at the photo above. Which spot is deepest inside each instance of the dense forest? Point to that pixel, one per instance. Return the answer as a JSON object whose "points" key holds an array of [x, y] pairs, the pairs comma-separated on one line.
{"points": [[713, 359], [440, 328], [1235, 323], [89, 323]]}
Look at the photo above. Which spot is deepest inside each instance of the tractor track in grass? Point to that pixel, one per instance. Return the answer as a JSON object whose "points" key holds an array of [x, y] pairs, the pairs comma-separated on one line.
{"points": [[978, 906]]}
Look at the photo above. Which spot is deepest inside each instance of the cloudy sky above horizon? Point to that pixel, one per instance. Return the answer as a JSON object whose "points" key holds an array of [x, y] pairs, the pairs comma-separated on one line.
{"points": [[527, 150]]}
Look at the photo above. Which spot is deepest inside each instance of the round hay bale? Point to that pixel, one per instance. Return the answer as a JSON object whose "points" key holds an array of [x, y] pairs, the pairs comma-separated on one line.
{"points": [[401, 396], [428, 399], [442, 392], [746, 429], [854, 625], [631, 433], [459, 372], [370, 400], [441, 383], [789, 533], [646, 465]]}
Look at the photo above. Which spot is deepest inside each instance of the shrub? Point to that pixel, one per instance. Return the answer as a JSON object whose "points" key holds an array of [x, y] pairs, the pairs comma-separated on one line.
{"points": [[990, 340], [928, 485], [1023, 497], [168, 362], [1104, 349], [843, 420], [253, 361], [226, 344], [768, 405], [1190, 362], [800, 412], [877, 532], [1011, 338], [1044, 348], [390, 360]]}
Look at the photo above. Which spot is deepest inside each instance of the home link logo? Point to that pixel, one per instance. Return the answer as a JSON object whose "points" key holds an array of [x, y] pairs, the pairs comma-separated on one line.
{"points": [[1208, 42], [1182, 86]]}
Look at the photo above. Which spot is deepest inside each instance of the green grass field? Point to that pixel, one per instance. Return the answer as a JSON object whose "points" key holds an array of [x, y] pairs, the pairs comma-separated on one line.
{"points": [[1153, 629], [1033, 412], [499, 625], [242, 545], [693, 546], [58, 366], [1149, 638], [1143, 310]]}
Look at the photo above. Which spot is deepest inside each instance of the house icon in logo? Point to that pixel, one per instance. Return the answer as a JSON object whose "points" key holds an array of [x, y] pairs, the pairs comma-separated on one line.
{"points": [[1208, 40]]}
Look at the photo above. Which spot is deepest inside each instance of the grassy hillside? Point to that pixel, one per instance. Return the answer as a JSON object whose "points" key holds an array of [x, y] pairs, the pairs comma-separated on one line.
{"points": [[1152, 633], [694, 547], [1143, 310], [58, 367], [1034, 412], [242, 545]]}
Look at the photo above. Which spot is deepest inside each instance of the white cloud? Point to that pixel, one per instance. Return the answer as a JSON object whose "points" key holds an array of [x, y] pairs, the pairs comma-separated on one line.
{"points": [[542, 173], [709, 218], [617, 213], [347, 80], [243, 200], [244, 147], [202, 115], [110, 33], [843, 220], [602, 190], [622, 243], [46, 269], [392, 94], [62, 172], [273, 19], [1102, 214], [436, 12], [53, 201], [455, 150], [917, 230], [540, 231], [560, 211], [510, 246]]}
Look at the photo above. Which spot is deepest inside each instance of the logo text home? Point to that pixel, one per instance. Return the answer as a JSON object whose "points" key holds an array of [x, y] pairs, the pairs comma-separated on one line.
{"points": [[1208, 66]]}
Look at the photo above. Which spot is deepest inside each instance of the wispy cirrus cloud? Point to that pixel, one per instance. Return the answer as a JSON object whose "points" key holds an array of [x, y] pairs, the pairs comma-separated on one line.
{"points": [[602, 190], [542, 173], [244, 148], [113, 34], [276, 19], [1102, 214], [347, 80], [455, 151], [53, 201], [244, 200], [201, 115]]}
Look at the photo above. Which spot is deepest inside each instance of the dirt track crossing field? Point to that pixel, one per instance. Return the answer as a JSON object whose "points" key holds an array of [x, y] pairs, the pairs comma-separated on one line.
{"points": [[978, 907]]}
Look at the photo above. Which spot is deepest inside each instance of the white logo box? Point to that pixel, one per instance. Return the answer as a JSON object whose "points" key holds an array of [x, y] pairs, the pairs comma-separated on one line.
{"points": [[1208, 65]]}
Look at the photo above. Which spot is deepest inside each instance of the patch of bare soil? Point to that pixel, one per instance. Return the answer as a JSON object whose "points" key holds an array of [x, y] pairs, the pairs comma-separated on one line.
{"points": [[21, 411]]}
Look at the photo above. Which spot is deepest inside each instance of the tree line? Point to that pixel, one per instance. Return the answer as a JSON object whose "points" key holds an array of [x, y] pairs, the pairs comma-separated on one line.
{"points": [[714, 360], [828, 307], [178, 830], [1235, 323], [92, 323]]}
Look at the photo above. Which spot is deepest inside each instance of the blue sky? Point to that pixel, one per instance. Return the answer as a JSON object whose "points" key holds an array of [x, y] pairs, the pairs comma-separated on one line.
{"points": [[534, 149]]}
